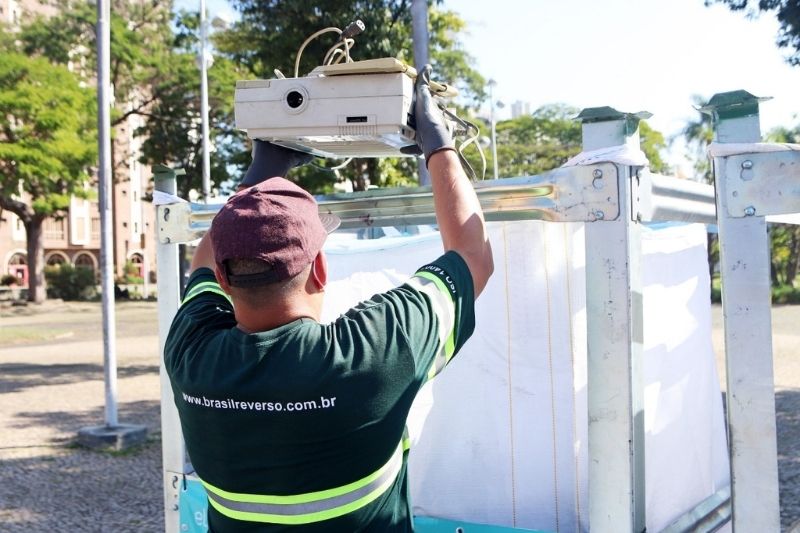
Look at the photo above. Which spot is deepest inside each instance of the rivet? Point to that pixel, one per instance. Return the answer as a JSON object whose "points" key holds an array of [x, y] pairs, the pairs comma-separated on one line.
{"points": [[597, 183], [597, 173], [166, 214], [599, 215], [750, 210], [747, 164]]}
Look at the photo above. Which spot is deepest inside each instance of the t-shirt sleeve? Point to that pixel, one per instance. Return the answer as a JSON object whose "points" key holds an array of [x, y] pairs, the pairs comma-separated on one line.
{"points": [[441, 316], [205, 308]]}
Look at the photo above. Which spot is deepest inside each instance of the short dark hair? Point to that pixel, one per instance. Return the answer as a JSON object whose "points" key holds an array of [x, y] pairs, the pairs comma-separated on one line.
{"points": [[261, 293]]}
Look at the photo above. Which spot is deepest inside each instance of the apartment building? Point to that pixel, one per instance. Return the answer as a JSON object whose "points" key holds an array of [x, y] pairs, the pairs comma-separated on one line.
{"points": [[75, 237]]}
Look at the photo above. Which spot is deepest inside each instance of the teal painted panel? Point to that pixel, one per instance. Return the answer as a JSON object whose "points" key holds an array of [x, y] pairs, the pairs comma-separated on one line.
{"points": [[193, 507], [426, 524]]}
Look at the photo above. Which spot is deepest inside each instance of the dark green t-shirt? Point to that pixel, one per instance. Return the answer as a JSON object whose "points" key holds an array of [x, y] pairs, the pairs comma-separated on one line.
{"points": [[301, 428]]}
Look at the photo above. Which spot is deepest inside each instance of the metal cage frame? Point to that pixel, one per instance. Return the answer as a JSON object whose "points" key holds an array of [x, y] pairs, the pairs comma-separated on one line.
{"points": [[613, 200]]}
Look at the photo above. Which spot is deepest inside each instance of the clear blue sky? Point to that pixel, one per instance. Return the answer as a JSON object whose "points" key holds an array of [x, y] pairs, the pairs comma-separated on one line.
{"points": [[634, 55], [630, 54]]}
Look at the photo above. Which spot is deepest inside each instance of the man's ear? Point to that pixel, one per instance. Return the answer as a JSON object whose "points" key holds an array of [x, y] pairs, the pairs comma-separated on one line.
{"points": [[221, 280], [319, 271]]}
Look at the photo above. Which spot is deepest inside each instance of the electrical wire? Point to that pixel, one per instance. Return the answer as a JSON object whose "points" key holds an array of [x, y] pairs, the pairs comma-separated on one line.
{"points": [[332, 169], [471, 139], [308, 40], [341, 52], [341, 47]]}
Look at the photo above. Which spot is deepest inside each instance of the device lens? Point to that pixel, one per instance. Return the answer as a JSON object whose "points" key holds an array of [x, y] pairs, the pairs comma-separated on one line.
{"points": [[294, 99]]}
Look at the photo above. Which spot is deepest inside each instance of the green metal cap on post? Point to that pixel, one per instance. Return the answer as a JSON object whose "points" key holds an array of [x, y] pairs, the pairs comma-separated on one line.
{"points": [[733, 104], [734, 116], [607, 114], [605, 126]]}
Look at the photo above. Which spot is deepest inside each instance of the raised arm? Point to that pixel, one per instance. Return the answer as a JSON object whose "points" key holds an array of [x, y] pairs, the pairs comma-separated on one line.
{"points": [[458, 211]]}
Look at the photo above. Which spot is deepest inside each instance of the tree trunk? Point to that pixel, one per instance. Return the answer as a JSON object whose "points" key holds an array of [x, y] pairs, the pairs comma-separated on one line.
{"points": [[794, 256], [361, 180], [712, 254], [35, 246]]}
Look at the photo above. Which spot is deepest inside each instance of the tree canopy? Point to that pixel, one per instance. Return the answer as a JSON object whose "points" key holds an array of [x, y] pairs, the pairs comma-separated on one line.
{"points": [[48, 142], [545, 139], [787, 13]]}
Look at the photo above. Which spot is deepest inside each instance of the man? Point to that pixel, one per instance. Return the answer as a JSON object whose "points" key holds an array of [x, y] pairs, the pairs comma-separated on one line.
{"points": [[293, 425]]}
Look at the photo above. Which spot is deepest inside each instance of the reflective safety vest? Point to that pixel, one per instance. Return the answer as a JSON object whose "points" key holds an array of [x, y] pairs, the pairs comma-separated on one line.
{"points": [[311, 506]]}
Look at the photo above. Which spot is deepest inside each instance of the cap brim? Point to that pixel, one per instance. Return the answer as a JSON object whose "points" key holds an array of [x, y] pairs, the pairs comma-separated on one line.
{"points": [[330, 221]]}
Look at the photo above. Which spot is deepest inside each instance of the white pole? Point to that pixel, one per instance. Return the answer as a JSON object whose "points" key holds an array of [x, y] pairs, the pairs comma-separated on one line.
{"points": [[491, 84], [106, 214], [746, 310], [419, 36], [204, 101], [614, 336], [173, 452]]}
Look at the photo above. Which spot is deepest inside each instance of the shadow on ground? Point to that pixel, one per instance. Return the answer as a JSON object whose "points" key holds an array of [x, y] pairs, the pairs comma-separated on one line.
{"points": [[146, 413], [19, 376]]}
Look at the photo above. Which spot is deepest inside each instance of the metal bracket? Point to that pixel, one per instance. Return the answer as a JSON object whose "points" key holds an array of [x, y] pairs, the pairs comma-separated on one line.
{"points": [[569, 194], [759, 184]]}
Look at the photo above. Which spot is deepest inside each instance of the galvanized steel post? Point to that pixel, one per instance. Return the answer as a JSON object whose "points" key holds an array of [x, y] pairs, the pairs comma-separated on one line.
{"points": [[746, 301], [173, 451], [614, 323]]}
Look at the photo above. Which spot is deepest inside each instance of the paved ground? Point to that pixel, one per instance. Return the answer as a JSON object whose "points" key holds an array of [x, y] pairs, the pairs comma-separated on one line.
{"points": [[51, 384]]}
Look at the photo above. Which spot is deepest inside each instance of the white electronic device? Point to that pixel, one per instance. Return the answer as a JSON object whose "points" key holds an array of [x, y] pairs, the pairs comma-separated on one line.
{"points": [[357, 109]]}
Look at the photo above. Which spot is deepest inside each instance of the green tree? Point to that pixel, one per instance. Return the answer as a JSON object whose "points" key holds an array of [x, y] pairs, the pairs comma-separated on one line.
{"points": [[787, 13], [269, 34], [784, 238], [536, 143], [48, 142], [653, 145], [140, 38], [698, 134], [545, 139], [172, 133]]}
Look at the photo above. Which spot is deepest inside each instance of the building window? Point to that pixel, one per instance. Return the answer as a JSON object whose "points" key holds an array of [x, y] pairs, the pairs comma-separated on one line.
{"points": [[95, 228], [56, 259], [18, 266], [55, 229], [84, 260], [137, 264]]}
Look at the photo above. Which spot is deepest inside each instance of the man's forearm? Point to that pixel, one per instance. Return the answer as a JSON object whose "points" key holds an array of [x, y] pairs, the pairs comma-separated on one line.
{"points": [[459, 215], [203, 254]]}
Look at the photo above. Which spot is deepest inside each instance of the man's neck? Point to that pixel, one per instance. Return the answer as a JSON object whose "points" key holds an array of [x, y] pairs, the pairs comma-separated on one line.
{"points": [[265, 318]]}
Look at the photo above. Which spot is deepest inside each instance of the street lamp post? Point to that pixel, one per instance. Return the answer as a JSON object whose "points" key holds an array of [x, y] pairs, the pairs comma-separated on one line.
{"points": [[203, 61], [491, 85]]}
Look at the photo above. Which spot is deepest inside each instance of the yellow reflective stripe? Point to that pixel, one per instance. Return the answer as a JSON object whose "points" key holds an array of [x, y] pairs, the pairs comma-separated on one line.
{"points": [[205, 286], [444, 307], [309, 507], [406, 443]]}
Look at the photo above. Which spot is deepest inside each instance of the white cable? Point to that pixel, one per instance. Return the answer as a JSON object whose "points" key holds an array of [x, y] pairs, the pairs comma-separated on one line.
{"points": [[305, 43], [337, 49]]}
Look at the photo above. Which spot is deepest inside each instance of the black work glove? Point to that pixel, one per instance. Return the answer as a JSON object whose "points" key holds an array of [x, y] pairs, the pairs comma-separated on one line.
{"points": [[432, 133], [271, 160]]}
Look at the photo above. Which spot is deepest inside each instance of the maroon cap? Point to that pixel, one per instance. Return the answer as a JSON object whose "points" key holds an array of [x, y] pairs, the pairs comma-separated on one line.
{"points": [[274, 221]]}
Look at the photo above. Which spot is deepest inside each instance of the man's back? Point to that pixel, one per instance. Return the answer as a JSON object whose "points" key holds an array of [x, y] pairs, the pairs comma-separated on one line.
{"points": [[304, 424]]}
